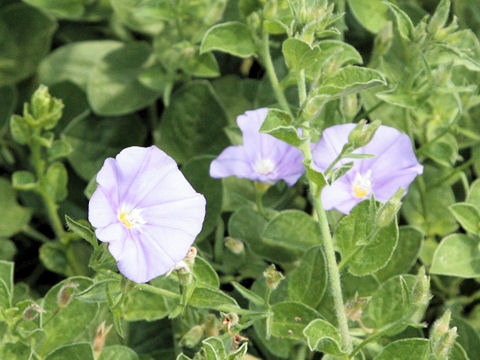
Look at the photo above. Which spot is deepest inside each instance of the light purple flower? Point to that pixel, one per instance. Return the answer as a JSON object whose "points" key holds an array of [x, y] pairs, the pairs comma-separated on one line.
{"points": [[394, 166], [261, 158], [146, 211]]}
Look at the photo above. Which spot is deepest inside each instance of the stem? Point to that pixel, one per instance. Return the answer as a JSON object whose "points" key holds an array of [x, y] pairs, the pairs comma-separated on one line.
{"points": [[301, 352], [267, 59], [158, 291], [302, 90], [333, 273], [34, 234], [52, 212]]}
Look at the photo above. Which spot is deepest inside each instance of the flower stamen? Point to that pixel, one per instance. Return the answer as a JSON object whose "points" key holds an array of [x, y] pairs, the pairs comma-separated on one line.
{"points": [[362, 185], [131, 219], [264, 166]]}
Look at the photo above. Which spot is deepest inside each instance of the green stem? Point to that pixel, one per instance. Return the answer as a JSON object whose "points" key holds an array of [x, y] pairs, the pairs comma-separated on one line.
{"points": [[52, 212], [34, 234], [158, 291], [302, 89], [301, 352], [333, 273], [267, 59]]}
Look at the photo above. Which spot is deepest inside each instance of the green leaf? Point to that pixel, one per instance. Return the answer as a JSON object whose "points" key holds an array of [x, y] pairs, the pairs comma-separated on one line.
{"points": [[24, 180], [205, 274], [248, 294], [298, 54], [230, 37], [94, 139], [14, 351], [82, 230], [307, 283], [54, 258], [444, 151], [365, 251], [117, 352], [240, 353], [279, 123], [7, 249], [26, 35], [406, 349], [468, 337], [290, 319], [193, 123], [210, 298], [391, 302], [202, 65], [80, 351], [6, 283], [349, 80], [197, 172], [467, 215], [59, 149], [66, 9], [405, 254], [473, 196], [294, 230], [64, 325], [457, 255], [404, 24], [19, 129], [13, 220], [324, 337], [458, 353], [142, 305], [372, 14], [113, 87], [440, 17], [74, 61], [214, 348], [56, 181]]}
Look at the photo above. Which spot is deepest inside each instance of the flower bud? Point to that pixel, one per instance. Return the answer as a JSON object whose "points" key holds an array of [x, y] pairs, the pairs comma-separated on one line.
{"points": [[65, 294], [192, 337], [211, 325], [363, 133], [440, 327], [421, 288], [383, 41], [236, 246], [270, 9], [253, 21], [32, 311], [100, 337], [273, 277], [388, 211], [184, 273], [444, 345], [45, 109]]}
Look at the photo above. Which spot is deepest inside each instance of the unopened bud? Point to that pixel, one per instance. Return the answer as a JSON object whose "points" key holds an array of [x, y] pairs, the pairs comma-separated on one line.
{"points": [[383, 40], [253, 21], [32, 311], [363, 133], [236, 246], [65, 294], [440, 17], [421, 288], [443, 347], [184, 273], [100, 337], [273, 277], [211, 325], [388, 211], [349, 105], [440, 327], [45, 109], [270, 9], [192, 337]]}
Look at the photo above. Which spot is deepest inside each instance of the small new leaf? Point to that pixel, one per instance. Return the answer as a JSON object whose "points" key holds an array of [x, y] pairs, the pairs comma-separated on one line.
{"points": [[278, 123], [81, 230]]}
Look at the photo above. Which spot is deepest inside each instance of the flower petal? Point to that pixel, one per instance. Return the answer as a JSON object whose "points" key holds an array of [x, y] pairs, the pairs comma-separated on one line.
{"points": [[231, 162], [339, 196], [100, 209], [326, 150], [113, 232]]}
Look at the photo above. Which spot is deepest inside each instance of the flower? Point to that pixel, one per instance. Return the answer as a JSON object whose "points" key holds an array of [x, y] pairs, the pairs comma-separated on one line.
{"points": [[393, 166], [261, 158], [146, 211]]}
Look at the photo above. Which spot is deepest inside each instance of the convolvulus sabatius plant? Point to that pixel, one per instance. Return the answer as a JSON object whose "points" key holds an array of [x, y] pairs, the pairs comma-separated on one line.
{"points": [[239, 179]]}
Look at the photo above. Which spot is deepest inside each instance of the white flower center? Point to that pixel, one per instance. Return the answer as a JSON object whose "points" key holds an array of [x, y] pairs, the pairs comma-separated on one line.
{"points": [[362, 184], [131, 219], [264, 166]]}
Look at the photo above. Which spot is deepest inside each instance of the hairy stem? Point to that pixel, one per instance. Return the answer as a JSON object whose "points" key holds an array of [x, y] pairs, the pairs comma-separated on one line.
{"points": [[267, 60]]}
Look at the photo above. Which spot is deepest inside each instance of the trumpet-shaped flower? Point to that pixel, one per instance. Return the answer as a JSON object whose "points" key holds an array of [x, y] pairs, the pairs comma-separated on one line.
{"points": [[393, 166], [146, 211], [261, 158]]}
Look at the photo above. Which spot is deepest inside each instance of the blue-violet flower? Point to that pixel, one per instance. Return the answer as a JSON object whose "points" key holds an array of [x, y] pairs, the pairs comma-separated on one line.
{"points": [[393, 166], [261, 158], [146, 211]]}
